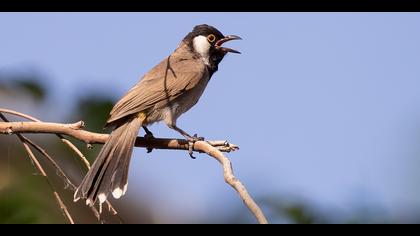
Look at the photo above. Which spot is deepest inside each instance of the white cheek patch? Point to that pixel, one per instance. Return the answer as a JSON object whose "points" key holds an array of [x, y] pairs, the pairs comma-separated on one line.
{"points": [[202, 46]]}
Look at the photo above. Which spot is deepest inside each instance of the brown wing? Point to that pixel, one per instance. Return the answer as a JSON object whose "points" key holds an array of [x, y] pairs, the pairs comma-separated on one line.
{"points": [[166, 81]]}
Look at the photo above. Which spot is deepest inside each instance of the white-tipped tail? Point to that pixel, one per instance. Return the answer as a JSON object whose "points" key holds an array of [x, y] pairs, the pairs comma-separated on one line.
{"points": [[102, 198], [109, 172], [117, 193]]}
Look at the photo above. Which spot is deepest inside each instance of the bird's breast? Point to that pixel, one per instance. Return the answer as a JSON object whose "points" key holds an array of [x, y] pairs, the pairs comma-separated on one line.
{"points": [[169, 110], [184, 102]]}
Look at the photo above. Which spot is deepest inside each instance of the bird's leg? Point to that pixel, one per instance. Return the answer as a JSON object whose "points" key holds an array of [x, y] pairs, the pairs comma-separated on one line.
{"points": [[191, 139], [148, 132], [148, 136]]}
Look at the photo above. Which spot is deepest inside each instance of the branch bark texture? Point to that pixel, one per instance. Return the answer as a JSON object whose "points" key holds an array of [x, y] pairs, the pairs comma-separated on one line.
{"points": [[212, 148]]}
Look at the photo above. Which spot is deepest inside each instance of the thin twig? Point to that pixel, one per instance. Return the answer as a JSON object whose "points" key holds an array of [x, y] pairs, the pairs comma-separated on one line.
{"points": [[58, 168], [54, 163], [212, 148], [75, 150], [64, 208], [11, 112], [64, 140], [232, 180], [41, 170]]}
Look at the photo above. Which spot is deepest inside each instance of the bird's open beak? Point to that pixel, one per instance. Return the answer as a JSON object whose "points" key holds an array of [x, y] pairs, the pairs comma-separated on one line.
{"points": [[224, 40]]}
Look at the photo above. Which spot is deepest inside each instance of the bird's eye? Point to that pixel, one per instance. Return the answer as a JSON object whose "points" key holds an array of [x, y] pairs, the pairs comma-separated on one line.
{"points": [[211, 38]]}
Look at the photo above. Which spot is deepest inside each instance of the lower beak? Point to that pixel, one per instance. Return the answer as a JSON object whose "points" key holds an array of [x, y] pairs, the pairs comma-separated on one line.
{"points": [[224, 40]]}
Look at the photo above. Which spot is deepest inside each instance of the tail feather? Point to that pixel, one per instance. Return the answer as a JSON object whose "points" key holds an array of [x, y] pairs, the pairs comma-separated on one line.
{"points": [[105, 184], [118, 184], [120, 176], [109, 172]]}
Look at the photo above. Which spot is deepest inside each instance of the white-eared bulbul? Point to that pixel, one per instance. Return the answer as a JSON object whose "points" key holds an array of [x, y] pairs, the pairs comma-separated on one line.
{"points": [[164, 93]]}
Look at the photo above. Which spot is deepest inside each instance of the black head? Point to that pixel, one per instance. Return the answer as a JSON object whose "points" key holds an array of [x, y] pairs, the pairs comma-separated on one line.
{"points": [[206, 42], [204, 30]]}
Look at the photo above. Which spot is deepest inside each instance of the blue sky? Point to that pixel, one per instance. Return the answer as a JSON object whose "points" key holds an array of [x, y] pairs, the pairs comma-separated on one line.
{"points": [[325, 106]]}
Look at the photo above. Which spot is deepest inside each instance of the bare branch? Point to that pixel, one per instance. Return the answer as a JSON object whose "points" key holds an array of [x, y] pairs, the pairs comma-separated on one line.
{"points": [[75, 150], [63, 208], [65, 141], [28, 117], [212, 148], [50, 159], [232, 180], [41, 170], [58, 168], [75, 130]]}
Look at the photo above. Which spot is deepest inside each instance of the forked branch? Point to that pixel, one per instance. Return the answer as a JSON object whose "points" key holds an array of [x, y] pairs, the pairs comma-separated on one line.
{"points": [[75, 130]]}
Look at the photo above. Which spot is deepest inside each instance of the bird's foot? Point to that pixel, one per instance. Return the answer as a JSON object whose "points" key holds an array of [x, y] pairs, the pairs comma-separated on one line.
{"points": [[148, 137], [191, 141]]}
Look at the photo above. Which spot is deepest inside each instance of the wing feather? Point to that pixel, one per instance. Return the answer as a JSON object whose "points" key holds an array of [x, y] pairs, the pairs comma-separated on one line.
{"points": [[165, 82]]}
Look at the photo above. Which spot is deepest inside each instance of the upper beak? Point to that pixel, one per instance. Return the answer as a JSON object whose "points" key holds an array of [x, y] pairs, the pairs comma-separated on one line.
{"points": [[224, 40]]}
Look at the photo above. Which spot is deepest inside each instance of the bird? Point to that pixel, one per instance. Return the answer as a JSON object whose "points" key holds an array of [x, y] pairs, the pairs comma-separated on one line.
{"points": [[164, 93]]}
